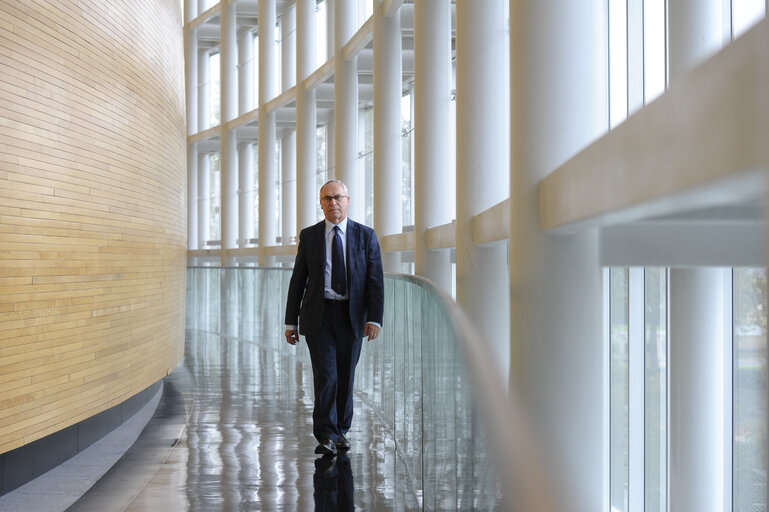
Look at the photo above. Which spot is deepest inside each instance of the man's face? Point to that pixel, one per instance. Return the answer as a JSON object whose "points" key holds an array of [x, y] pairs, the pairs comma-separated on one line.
{"points": [[334, 202]]}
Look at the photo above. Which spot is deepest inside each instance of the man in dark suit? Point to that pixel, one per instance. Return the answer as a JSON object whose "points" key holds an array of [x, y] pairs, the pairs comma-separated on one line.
{"points": [[335, 297]]}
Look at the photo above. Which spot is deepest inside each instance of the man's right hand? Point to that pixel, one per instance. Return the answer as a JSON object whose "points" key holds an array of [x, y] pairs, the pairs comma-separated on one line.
{"points": [[292, 336]]}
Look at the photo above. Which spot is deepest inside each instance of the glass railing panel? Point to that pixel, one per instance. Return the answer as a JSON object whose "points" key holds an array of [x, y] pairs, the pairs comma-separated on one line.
{"points": [[413, 377]]}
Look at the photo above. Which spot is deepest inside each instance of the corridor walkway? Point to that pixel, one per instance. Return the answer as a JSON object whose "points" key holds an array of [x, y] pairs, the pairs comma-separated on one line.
{"points": [[248, 443]]}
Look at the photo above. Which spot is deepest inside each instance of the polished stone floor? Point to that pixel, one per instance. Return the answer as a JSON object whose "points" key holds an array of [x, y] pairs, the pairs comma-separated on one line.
{"points": [[233, 433]]}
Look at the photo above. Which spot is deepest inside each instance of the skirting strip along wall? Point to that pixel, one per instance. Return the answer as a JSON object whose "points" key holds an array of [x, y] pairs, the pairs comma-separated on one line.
{"points": [[92, 208]]}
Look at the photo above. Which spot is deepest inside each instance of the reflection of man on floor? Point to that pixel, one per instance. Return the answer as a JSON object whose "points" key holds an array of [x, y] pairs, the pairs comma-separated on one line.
{"points": [[333, 484], [336, 296]]}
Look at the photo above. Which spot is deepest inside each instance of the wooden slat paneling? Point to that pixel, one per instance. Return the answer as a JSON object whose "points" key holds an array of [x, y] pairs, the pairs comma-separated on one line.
{"points": [[92, 208]]}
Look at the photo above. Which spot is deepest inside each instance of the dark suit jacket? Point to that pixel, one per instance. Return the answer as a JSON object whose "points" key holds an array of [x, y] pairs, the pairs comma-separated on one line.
{"points": [[365, 281]]}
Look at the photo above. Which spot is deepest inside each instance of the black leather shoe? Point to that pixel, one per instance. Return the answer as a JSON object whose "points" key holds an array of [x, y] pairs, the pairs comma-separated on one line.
{"points": [[342, 443], [326, 447]]}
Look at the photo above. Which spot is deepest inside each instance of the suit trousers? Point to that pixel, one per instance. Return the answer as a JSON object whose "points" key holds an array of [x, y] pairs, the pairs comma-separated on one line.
{"points": [[334, 352]]}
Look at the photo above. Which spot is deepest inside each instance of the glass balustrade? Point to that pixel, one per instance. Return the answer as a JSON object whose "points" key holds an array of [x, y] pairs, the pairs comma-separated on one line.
{"points": [[413, 378]]}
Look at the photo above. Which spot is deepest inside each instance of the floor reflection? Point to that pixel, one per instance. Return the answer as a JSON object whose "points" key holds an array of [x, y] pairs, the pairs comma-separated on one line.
{"points": [[333, 484], [250, 444]]}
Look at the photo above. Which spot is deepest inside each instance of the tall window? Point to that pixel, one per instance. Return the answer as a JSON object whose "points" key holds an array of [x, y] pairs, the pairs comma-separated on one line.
{"points": [[638, 389], [637, 59], [618, 65], [619, 387], [631, 468], [655, 61], [655, 389], [214, 89], [407, 128], [255, 188], [365, 10], [215, 218], [367, 157], [277, 189], [321, 168], [749, 370], [745, 14], [321, 34], [277, 61]]}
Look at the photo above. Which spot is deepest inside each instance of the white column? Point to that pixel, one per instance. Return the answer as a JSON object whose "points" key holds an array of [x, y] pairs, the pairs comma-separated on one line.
{"points": [[267, 171], [288, 144], [192, 196], [559, 77], [245, 193], [288, 188], [695, 32], [696, 389], [482, 170], [388, 82], [432, 75], [330, 24], [346, 106], [306, 150], [228, 60], [203, 112], [245, 71], [696, 451], [190, 10], [288, 47], [204, 199]]}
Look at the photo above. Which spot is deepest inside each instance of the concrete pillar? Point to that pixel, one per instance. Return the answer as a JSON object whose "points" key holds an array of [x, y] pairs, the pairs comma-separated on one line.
{"points": [[306, 150], [288, 144], [190, 10], [245, 193], [482, 169], [267, 170], [695, 32], [288, 188], [432, 84], [288, 47], [696, 389], [245, 71], [192, 197], [346, 106], [559, 77], [388, 83], [330, 24], [228, 60], [696, 450], [204, 199]]}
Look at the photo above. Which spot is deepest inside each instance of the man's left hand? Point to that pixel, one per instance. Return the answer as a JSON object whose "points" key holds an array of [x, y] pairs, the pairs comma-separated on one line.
{"points": [[372, 331]]}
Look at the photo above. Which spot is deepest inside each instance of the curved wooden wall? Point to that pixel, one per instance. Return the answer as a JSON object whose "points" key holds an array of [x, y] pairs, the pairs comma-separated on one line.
{"points": [[92, 207]]}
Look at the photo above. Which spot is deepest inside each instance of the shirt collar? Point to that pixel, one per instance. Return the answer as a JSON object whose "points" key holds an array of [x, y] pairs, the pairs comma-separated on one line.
{"points": [[342, 226]]}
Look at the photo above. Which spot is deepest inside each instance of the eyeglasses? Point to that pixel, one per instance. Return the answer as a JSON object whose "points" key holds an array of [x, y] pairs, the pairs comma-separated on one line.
{"points": [[337, 198]]}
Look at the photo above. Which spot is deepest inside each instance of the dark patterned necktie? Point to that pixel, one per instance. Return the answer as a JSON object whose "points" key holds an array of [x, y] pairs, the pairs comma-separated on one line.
{"points": [[338, 274]]}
